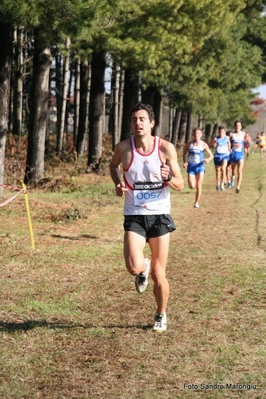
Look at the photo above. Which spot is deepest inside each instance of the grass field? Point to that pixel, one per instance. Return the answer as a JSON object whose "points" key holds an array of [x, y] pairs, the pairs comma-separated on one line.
{"points": [[73, 326]]}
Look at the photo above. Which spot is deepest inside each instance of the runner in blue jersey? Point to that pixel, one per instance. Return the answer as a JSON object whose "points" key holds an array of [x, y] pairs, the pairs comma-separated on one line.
{"points": [[196, 160], [237, 154], [222, 146], [229, 166]]}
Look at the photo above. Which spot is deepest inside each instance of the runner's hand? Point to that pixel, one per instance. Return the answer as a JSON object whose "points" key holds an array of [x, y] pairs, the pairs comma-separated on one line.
{"points": [[165, 170], [121, 189]]}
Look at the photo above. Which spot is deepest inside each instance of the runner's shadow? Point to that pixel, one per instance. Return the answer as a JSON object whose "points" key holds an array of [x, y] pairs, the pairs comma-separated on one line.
{"points": [[31, 324], [91, 237], [138, 326]]}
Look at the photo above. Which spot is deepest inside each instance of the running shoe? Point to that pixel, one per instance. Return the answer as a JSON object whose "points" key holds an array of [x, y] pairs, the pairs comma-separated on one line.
{"points": [[217, 188], [233, 183], [141, 280], [160, 322], [237, 190], [196, 205], [229, 185]]}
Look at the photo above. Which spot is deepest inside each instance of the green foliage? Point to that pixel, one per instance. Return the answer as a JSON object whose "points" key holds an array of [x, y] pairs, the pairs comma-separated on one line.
{"points": [[203, 53], [162, 36], [236, 107], [18, 12], [52, 15], [217, 78]]}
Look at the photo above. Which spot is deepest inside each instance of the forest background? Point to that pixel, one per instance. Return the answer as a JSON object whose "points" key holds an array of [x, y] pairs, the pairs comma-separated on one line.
{"points": [[72, 325], [195, 62]]}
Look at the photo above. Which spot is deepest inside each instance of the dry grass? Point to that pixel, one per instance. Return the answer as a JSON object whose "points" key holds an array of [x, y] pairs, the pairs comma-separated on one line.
{"points": [[72, 325]]}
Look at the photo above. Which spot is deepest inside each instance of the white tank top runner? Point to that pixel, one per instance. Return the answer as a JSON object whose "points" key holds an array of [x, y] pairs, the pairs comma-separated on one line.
{"points": [[147, 194], [237, 140]]}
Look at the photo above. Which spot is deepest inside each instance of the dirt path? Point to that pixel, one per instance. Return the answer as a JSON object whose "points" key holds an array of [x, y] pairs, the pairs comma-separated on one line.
{"points": [[73, 326]]}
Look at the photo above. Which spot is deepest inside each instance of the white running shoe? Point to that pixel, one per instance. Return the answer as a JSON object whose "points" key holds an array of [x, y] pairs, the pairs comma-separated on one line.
{"points": [[196, 205], [141, 280], [160, 322]]}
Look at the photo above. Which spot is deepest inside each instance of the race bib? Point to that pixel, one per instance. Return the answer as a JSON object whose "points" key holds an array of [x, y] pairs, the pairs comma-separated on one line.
{"points": [[147, 192], [194, 158], [237, 148], [222, 149]]}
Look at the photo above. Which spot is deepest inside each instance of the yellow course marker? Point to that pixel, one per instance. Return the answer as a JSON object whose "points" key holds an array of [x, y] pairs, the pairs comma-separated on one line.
{"points": [[28, 214]]}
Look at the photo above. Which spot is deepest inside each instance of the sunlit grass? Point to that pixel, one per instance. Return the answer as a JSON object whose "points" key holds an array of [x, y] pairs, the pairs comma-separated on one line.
{"points": [[72, 325]]}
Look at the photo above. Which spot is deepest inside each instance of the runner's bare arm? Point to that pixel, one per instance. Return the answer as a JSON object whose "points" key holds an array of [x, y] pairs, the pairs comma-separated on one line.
{"points": [[170, 165], [229, 144], [116, 172], [207, 149], [185, 151], [213, 143]]}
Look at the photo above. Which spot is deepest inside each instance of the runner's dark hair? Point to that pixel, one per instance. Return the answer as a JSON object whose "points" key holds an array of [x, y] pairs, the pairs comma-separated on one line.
{"points": [[146, 107]]}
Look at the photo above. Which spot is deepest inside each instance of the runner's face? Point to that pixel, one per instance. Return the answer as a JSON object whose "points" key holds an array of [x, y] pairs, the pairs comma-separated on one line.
{"points": [[197, 135], [141, 124], [238, 127]]}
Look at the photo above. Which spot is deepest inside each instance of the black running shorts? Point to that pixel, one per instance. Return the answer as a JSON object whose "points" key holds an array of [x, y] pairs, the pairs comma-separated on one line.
{"points": [[149, 226]]}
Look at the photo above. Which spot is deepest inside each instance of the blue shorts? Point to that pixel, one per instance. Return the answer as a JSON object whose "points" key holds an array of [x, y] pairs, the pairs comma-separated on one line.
{"points": [[218, 159], [236, 156], [195, 168]]}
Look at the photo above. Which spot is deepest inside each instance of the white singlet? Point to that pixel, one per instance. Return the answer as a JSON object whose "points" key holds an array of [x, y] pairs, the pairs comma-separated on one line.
{"points": [[147, 194]]}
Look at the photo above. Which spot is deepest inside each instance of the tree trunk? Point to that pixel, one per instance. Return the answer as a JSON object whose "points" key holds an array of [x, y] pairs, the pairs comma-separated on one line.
{"points": [[214, 131], [189, 124], [148, 94], [200, 121], [76, 101], [131, 93], [97, 97], [27, 76], [58, 91], [115, 105], [207, 132], [61, 129], [153, 97], [157, 107], [39, 106], [182, 128], [170, 122], [18, 86], [176, 124], [48, 124], [69, 105], [5, 70], [121, 96], [111, 102], [11, 116], [83, 109]]}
